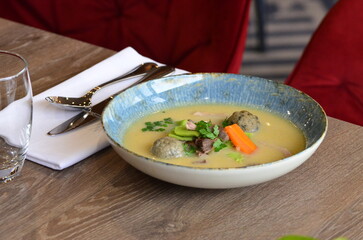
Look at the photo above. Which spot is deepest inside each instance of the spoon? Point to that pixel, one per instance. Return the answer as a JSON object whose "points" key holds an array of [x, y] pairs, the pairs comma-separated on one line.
{"points": [[85, 100]]}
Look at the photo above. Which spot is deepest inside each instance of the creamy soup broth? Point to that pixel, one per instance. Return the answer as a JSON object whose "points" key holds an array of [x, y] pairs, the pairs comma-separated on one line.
{"points": [[275, 139]]}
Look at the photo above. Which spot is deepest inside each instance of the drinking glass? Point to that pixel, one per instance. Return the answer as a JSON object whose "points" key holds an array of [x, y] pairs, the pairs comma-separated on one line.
{"points": [[16, 108]]}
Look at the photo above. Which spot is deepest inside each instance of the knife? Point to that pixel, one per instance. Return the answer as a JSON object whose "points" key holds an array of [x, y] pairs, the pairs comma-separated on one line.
{"points": [[93, 113]]}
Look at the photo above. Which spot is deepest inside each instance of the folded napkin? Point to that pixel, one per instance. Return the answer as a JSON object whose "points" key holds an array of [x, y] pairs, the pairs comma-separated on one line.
{"points": [[61, 151]]}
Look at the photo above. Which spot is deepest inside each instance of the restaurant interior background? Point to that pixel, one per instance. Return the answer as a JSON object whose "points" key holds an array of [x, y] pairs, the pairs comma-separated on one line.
{"points": [[218, 43], [288, 28], [104, 197]]}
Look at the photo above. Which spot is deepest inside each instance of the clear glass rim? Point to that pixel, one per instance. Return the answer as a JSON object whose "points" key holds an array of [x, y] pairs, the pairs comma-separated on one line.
{"points": [[25, 68]]}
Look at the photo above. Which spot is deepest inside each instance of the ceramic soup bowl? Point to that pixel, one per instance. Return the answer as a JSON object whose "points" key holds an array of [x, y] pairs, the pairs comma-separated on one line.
{"points": [[206, 88]]}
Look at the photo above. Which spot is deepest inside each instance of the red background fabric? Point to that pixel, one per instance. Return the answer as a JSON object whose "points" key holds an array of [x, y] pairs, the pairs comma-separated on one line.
{"points": [[196, 35], [331, 67]]}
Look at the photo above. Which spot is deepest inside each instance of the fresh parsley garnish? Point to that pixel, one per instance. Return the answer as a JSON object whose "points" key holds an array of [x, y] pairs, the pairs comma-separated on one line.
{"points": [[206, 130], [226, 123], [219, 145], [168, 120], [189, 150], [157, 126]]}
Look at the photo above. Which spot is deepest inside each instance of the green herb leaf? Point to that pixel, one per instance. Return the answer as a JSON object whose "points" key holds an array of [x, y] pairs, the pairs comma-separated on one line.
{"points": [[157, 126], [203, 125], [159, 130], [238, 157], [219, 145], [168, 120], [189, 150], [216, 130], [207, 134], [206, 131], [226, 123], [229, 144]]}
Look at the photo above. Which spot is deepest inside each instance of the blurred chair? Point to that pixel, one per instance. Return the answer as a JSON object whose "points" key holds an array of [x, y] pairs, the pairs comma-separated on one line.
{"points": [[196, 35], [331, 67]]}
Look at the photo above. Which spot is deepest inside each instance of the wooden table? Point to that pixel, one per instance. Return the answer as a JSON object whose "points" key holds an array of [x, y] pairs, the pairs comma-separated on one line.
{"points": [[103, 197]]}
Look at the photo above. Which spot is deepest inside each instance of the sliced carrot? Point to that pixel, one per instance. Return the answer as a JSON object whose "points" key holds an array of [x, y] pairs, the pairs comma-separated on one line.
{"points": [[239, 139]]}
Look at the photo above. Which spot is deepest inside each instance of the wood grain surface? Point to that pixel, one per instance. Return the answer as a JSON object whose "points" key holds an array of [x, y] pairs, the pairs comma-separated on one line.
{"points": [[103, 197]]}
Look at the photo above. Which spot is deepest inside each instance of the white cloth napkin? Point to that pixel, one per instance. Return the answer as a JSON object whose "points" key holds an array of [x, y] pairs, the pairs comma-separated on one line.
{"points": [[61, 151]]}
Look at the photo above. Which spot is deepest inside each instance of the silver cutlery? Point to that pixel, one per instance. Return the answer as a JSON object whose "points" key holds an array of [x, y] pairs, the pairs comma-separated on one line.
{"points": [[85, 100], [93, 113]]}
